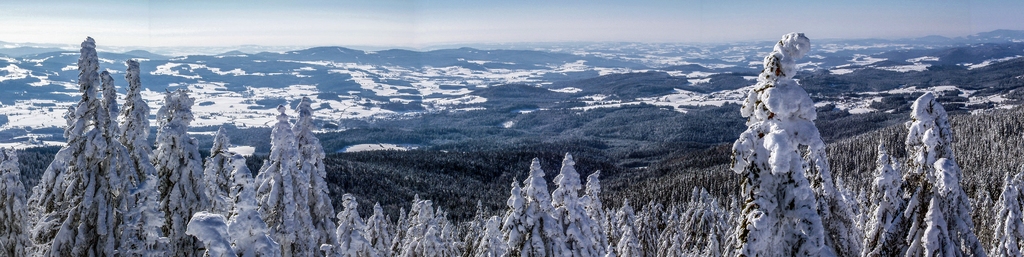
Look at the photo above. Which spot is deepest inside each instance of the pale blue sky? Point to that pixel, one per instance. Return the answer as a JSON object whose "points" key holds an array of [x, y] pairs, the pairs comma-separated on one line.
{"points": [[422, 23]]}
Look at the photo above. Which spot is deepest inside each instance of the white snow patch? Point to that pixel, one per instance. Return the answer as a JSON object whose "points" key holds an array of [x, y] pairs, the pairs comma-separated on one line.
{"points": [[242, 149], [840, 71], [570, 90], [989, 62], [378, 147], [907, 68], [865, 60], [924, 59], [14, 72], [699, 81]]}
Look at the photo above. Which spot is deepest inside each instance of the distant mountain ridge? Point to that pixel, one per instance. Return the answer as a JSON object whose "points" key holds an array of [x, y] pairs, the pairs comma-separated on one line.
{"points": [[356, 88]]}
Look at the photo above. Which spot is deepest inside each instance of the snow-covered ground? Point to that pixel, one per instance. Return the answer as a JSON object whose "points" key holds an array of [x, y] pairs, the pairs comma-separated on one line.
{"points": [[377, 147], [378, 87]]}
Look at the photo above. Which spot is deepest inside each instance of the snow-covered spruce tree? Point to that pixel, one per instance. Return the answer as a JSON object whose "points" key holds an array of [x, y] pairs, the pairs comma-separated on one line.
{"points": [[179, 167], [425, 235], [543, 230], [142, 218], [1009, 225], [628, 243], [74, 206], [649, 224], [591, 201], [610, 251], [490, 243], [350, 232], [983, 209], [401, 226], [472, 229], [276, 191], [734, 210], [378, 231], [781, 213], [880, 230], [934, 177], [13, 215], [311, 172], [514, 225], [450, 243], [699, 228], [571, 215], [250, 236], [671, 238], [217, 173], [212, 230]]}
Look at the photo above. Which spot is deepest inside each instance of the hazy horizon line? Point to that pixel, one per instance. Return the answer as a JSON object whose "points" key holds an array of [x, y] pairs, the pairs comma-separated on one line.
{"points": [[215, 49]]}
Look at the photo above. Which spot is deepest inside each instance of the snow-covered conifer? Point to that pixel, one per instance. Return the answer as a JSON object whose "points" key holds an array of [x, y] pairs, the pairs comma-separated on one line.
{"points": [[514, 225], [276, 191], [74, 205], [180, 170], [13, 215], [571, 214], [879, 234], [378, 231], [217, 173], [936, 241], [473, 229], [609, 251], [250, 236], [1009, 228], [628, 243], [350, 231], [544, 232], [591, 202], [649, 224], [311, 167], [781, 214], [426, 234], [450, 245], [212, 230], [700, 226], [934, 177], [140, 229], [401, 226], [490, 243]]}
